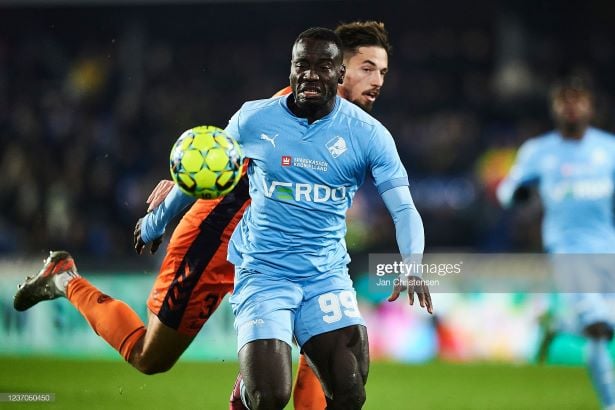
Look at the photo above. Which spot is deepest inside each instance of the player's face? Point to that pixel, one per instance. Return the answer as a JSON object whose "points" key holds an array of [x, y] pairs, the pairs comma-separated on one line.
{"points": [[572, 109], [364, 77], [316, 70]]}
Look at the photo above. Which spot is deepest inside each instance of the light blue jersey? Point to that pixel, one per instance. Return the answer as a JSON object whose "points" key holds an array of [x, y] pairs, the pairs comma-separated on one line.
{"points": [[575, 179], [291, 280], [303, 178]]}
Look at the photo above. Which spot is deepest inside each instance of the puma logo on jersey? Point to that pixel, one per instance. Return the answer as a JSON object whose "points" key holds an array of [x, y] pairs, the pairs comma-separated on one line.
{"points": [[266, 137], [253, 323]]}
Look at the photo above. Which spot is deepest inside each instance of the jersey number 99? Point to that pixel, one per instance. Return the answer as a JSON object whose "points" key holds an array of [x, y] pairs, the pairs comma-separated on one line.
{"points": [[336, 305]]}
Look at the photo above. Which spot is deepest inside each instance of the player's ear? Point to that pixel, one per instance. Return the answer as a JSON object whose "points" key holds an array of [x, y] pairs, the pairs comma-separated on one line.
{"points": [[342, 74]]}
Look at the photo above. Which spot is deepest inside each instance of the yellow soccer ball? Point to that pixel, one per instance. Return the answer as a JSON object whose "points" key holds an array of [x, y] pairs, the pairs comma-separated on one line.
{"points": [[206, 162]]}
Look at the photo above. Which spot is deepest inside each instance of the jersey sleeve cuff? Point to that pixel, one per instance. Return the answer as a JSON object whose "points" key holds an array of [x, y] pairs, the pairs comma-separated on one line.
{"points": [[148, 232], [393, 183]]}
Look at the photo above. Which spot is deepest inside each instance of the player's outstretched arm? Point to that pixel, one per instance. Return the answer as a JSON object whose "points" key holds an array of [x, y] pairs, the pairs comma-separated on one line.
{"points": [[515, 187], [151, 227], [411, 241]]}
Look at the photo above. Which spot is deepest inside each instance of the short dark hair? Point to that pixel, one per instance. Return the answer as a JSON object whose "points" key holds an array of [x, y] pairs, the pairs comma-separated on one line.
{"points": [[322, 34], [577, 83], [363, 34]]}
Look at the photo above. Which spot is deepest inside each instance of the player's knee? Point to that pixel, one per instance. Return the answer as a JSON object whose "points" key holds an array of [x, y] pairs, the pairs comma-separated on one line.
{"points": [[349, 392], [270, 397], [151, 366], [599, 330], [154, 368], [353, 397]]}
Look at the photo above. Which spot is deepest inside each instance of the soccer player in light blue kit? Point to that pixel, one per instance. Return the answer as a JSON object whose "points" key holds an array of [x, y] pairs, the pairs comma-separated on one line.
{"points": [[574, 168], [309, 152]]}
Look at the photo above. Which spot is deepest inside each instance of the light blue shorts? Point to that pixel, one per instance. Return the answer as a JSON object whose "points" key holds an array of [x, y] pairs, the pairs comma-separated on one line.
{"points": [[587, 284], [274, 307]]}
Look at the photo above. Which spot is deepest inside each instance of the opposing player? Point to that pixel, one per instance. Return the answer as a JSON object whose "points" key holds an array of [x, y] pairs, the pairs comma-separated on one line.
{"points": [[574, 168]]}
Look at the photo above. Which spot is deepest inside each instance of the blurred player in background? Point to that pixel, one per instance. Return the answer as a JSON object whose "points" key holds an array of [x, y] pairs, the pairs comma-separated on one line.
{"points": [[195, 276], [574, 169]]}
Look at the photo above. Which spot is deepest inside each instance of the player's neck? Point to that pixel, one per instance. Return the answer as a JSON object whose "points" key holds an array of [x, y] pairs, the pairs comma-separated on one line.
{"points": [[310, 112], [573, 132]]}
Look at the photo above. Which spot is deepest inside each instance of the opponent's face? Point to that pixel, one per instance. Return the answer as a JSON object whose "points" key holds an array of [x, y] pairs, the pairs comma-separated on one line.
{"points": [[364, 77], [572, 109], [316, 70]]}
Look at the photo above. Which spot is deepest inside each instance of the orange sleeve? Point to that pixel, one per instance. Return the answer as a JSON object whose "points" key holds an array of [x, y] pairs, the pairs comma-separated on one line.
{"points": [[283, 91]]}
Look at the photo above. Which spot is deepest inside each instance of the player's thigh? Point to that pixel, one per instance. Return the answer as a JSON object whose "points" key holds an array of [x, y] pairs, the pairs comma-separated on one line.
{"points": [[264, 307], [340, 359], [193, 279], [331, 332], [160, 347]]}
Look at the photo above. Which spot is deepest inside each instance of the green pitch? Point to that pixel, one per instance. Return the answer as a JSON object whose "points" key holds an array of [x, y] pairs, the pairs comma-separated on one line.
{"points": [[115, 385]]}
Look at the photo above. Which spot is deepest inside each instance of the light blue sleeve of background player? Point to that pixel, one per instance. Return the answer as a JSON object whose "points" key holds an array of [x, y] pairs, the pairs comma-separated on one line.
{"points": [[523, 172], [408, 223], [384, 162], [155, 222]]}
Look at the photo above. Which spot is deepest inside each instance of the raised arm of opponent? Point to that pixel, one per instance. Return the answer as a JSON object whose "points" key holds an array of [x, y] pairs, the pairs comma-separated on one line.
{"points": [[151, 227]]}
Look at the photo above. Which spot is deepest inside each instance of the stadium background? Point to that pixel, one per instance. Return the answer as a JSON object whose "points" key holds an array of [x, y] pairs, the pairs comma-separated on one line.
{"points": [[94, 93]]}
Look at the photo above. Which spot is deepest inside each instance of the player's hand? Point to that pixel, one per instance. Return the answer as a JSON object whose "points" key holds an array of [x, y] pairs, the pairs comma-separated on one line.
{"points": [[413, 284], [138, 242], [159, 194]]}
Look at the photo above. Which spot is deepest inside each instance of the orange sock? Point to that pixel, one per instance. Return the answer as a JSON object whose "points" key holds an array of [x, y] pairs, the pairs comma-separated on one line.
{"points": [[308, 391], [111, 319]]}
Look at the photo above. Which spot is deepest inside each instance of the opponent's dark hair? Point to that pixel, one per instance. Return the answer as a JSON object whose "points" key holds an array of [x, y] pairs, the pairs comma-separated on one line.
{"points": [[322, 34], [578, 83], [363, 34]]}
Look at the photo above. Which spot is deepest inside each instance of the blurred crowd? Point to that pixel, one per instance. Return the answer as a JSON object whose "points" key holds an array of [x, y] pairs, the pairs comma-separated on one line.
{"points": [[92, 98]]}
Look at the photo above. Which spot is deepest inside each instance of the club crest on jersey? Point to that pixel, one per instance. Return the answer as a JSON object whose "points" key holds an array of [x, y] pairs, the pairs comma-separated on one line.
{"points": [[337, 146], [286, 160]]}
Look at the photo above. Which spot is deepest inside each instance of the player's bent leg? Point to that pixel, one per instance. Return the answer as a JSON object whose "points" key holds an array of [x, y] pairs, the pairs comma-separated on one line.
{"points": [[266, 369], [159, 348], [341, 361], [112, 319], [308, 394], [599, 362], [151, 350]]}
